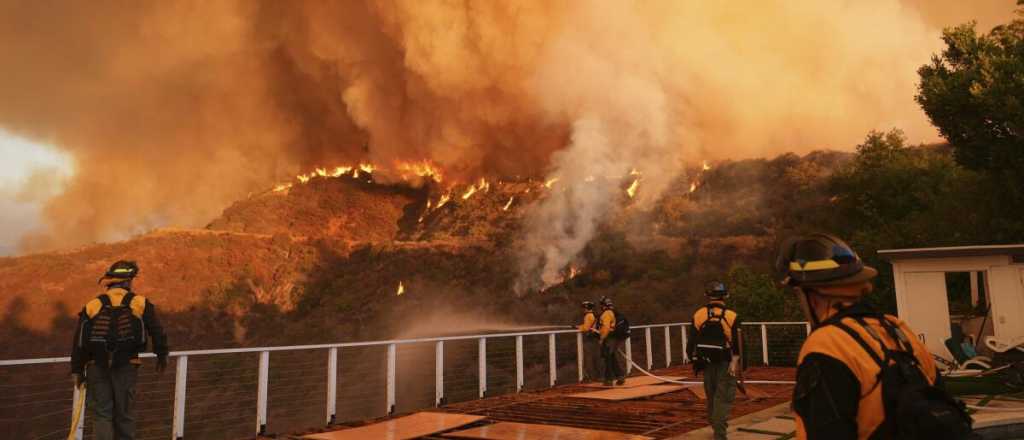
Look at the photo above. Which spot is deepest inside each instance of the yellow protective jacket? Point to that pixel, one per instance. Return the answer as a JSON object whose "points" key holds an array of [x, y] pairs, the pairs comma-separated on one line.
{"points": [[838, 392], [588, 322], [607, 323], [141, 308], [730, 324]]}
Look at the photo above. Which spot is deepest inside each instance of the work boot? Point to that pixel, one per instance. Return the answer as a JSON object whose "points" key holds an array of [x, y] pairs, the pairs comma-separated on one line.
{"points": [[621, 381]]}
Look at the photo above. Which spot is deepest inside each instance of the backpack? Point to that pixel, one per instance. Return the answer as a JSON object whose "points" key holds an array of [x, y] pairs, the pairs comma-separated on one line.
{"points": [[621, 329], [712, 344], [114, 334], [914, 409]]}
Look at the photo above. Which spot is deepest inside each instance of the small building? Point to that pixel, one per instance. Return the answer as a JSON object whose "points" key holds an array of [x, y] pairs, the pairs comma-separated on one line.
{"points": [[996, 275]]}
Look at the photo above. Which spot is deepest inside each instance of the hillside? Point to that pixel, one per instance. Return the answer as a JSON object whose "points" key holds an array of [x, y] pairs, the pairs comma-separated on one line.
{"points": [[322, 261]]}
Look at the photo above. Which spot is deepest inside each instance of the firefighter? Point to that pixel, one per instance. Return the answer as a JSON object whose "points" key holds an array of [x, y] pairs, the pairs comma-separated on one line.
{"points": [[612, 343], [714, 346], [592, 368], [112, 329], [859, 368]]}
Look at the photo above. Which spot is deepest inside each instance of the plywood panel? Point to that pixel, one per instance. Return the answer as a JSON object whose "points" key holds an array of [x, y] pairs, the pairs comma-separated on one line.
{"points": [[519, 431], [635, 382], [629, 393], [776, 425], [408, 427]]}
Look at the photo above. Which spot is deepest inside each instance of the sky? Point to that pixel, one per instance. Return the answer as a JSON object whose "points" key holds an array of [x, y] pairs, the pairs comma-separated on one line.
{"points": [[29, 174]]}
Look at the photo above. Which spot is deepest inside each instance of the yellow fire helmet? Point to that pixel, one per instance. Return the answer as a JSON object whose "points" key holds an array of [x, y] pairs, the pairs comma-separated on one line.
{"points": [[820, 260]]}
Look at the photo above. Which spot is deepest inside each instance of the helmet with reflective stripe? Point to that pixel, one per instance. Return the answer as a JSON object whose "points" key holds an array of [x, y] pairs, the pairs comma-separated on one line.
{"points": [[122, 270], [716, 289], [820, 260], [589, 305], [606, 302]]}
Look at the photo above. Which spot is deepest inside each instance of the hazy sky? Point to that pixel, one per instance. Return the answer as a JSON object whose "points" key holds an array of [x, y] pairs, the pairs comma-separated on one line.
{"points": [[29, 173]]}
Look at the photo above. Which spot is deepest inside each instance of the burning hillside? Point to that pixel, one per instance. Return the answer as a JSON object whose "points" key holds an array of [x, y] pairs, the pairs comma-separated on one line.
{"points": [[347, 243]]}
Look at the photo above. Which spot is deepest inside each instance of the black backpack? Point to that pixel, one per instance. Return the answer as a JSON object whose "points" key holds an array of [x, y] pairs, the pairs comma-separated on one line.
{"points": [[712, 344], [114, 334], [914, 408], [621, 329]]}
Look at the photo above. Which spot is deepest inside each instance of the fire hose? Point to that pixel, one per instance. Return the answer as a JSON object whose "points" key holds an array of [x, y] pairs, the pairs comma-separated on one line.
{"points": [[684, 382], [76, 416]]}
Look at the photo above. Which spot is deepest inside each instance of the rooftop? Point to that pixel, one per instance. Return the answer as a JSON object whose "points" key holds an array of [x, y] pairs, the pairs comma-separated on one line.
{"points": [[1014, 250]]}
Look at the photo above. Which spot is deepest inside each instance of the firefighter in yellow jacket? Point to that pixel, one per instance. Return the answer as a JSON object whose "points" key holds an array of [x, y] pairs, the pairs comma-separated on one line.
{"points": [[592, 368], [112, 329], [714, 345], [861, 374]]}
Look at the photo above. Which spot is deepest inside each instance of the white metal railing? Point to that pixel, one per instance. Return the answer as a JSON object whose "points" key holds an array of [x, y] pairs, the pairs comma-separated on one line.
{"points": [[182, 357]]}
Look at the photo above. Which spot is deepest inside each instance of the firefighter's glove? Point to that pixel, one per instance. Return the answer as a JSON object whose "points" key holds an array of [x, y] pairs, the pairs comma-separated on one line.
{"points": [[161, 363], [78, 379], [733, 364]]}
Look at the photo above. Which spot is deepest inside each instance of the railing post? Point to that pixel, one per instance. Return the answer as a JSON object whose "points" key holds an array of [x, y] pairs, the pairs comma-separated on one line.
{"points": [[808, 326], [392, 354], [80, 429], [686, 356], [261, 393], [629, 355], [332, 385], [180, 381], [764, 344], [552, 362], [647, 342], [482, 356], [519, 364], [579, 354], [439, 373], [668, 347]]}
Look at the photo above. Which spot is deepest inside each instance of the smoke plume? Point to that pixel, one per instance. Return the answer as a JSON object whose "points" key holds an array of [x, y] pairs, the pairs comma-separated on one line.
{"points": [[171, 110]]}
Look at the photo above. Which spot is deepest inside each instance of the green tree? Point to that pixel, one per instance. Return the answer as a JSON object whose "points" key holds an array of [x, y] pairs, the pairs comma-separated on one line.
{"points": [[756, 296], [974, 93]]}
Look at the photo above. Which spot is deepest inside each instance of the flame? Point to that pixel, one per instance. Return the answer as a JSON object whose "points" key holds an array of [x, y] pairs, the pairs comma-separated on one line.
{"points": [[704, 165], [693, 186], [282, 187], [322, 172], [401, 288], [634, 172], [421, 169], [631, 191], [573, 272], [302, 178], [482, 186], [551, 182], [507, 205], [367, 168], [340, 171], [443, 200]]}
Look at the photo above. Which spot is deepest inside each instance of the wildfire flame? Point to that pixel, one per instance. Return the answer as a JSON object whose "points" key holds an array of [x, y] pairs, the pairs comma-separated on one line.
{"points": [[551, 182], [631, 191], [573, 272], [634, 172], [693, 186], [401, 288], [421, 169], [443, 200], [704, 165], [481, 186], [282, 187], [509, 204]]}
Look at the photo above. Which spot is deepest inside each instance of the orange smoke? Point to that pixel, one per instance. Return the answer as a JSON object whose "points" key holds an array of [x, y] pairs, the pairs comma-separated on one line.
{"points": [[172, 110]]}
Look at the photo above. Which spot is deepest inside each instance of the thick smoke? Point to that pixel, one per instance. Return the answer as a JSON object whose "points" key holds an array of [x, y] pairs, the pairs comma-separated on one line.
{"points": [[171, 110]]}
